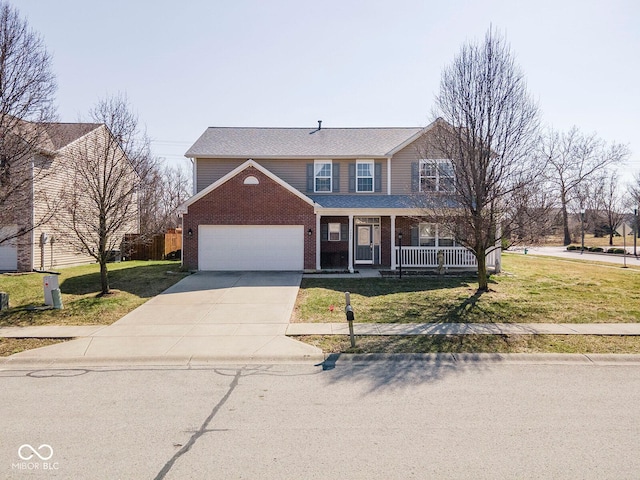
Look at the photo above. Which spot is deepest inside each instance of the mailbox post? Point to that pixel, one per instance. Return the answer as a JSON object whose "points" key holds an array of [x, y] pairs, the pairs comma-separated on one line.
{"points": [[350, 317]]}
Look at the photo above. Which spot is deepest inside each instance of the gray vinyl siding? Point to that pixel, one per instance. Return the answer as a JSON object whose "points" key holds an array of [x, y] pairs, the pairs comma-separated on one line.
{"points": [[401, 166], [293, 171]]}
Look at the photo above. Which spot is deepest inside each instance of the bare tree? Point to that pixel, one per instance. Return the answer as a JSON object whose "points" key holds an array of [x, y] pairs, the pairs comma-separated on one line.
{"points": [[106, 172], [573, 159], [163, 191], [27, 87], [176, 189], [488, 130], [610, 204]]}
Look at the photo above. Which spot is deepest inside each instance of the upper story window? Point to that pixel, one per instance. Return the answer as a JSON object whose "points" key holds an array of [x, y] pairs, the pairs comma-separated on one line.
{"points": [[364, 176], [436, 176], [322, 174]]}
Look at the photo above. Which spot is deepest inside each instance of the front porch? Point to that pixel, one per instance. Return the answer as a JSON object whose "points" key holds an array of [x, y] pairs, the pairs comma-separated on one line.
{"points": [[353, 242], [427, 257]]}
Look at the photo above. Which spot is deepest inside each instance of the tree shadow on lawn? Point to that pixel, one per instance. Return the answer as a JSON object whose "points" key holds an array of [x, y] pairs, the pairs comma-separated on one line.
{"points": [[426, 306], [373, 287], [145, 281]]}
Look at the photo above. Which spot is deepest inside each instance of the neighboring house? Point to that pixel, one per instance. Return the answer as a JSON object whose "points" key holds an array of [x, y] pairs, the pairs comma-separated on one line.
{"points": [[305, 199], [47, 243]]}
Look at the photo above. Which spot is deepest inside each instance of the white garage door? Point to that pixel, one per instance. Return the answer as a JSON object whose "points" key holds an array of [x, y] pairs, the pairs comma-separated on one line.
{"points": [[8, 250], [251, 247]]}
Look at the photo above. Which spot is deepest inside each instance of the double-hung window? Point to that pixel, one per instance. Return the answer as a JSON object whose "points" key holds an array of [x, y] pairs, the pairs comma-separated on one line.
{"points": [[322, 173], [334, 232], [364, 176], [436, 176], [433, 235]]}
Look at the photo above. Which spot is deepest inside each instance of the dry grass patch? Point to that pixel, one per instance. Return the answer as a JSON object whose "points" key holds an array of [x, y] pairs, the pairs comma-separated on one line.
{"points": [[477, 344], [9, 346]]}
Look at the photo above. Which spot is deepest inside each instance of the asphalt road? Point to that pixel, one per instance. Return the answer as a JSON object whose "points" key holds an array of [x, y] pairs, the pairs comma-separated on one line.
{"points": [[384, 419]]}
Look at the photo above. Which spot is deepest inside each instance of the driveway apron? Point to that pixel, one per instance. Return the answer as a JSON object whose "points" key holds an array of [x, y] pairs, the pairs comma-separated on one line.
{"points": [[207, 316]]}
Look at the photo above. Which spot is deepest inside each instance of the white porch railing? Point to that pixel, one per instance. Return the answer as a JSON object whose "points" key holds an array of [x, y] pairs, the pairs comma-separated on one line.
{"points": [[428, 257]]}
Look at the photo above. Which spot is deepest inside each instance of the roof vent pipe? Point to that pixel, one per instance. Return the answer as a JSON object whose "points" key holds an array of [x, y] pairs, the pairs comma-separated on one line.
{"points": [[319, 124]]}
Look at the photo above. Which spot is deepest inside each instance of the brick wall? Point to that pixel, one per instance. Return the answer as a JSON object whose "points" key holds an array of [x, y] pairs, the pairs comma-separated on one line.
{"points": [[234, 203]]}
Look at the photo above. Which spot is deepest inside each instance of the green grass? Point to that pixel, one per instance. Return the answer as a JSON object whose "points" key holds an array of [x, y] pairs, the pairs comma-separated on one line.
{"points": [[531, 289], [477, 344], [132, 284]]}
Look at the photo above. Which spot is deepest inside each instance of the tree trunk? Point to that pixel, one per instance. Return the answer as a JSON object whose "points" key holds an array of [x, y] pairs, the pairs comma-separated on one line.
{"points": [[483, 280], [565, 221], [611, 238], [104, 277]]}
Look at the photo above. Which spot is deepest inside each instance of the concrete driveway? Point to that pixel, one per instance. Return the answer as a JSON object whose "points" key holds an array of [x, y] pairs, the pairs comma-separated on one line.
{"points": [[208, 316]]}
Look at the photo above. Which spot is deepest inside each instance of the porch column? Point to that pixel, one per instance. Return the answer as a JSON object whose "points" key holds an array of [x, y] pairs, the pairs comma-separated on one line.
{"points": [[318, 267], [393, 242], [351, 243]]}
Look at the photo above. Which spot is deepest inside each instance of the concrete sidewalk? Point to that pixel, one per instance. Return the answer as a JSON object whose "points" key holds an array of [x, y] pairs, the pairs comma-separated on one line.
{"points": [[296, 329], [465, 329], [206, 317]]}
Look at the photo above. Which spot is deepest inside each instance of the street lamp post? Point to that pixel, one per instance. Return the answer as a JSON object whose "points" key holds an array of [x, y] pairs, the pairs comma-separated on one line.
{"points": [[400, 252]]}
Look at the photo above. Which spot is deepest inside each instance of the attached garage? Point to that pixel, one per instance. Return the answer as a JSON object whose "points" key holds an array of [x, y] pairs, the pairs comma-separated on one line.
{"points": [[251, 247]]}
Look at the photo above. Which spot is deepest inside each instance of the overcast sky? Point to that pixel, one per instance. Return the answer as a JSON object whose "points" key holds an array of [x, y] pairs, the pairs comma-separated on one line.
{"points": [[193, 64]]}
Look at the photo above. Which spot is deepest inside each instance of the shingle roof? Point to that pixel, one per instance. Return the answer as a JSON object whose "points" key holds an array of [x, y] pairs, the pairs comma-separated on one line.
{"points": [[229, 142], [383, 201], [59, 135]]}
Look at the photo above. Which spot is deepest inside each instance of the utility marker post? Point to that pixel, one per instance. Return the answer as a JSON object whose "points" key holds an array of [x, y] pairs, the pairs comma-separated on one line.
{"points": [[350, 317]]}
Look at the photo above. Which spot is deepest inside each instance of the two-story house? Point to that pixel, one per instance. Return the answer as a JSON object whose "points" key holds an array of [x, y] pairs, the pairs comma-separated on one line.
{"points": [[314, 199], [33, 224]]}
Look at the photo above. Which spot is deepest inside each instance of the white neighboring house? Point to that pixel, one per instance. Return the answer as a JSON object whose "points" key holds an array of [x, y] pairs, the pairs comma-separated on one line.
{"points": [[46, 243]]}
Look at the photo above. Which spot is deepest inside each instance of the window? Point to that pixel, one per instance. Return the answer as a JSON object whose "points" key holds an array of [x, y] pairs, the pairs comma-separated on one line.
{"points": [[445, 238], [364, 176], [334, 232], [436, 176], [432, 235], [427, 232], [322, 175]]}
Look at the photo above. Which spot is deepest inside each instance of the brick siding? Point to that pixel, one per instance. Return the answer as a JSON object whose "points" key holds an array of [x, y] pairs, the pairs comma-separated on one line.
{"points": [[234, 203]]}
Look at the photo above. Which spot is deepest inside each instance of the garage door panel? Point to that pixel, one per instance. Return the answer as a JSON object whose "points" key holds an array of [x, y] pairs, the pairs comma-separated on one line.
{"points": [[251, 247]]}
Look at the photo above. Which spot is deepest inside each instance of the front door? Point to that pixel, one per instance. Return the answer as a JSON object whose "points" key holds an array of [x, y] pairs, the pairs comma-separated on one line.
{"points": [[364, 244]]}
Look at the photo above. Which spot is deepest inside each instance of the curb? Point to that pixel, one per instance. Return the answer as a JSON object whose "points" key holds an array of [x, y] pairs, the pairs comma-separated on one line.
{"points": [[169, 361], [490, 358]]}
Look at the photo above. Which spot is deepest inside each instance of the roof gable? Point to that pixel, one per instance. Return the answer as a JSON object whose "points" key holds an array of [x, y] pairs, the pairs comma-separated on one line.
{"points": [[236, 171], [230, 142]]}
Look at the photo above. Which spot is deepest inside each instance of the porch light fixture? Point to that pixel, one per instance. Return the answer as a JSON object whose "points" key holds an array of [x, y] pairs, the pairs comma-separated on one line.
{"points": [[190, 233], [309, 232]]}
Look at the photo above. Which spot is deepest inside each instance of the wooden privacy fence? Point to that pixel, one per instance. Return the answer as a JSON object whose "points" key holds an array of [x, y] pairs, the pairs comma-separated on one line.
{"points": [[157, 247]]}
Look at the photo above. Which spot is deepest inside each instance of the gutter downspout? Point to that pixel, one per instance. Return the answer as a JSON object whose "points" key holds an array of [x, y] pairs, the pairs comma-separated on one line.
{"points": [[388, 175]]}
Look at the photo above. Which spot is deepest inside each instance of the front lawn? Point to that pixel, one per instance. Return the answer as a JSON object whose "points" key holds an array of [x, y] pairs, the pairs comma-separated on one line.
{"points": [[132, 283], [531, 289], [561, 344]]}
